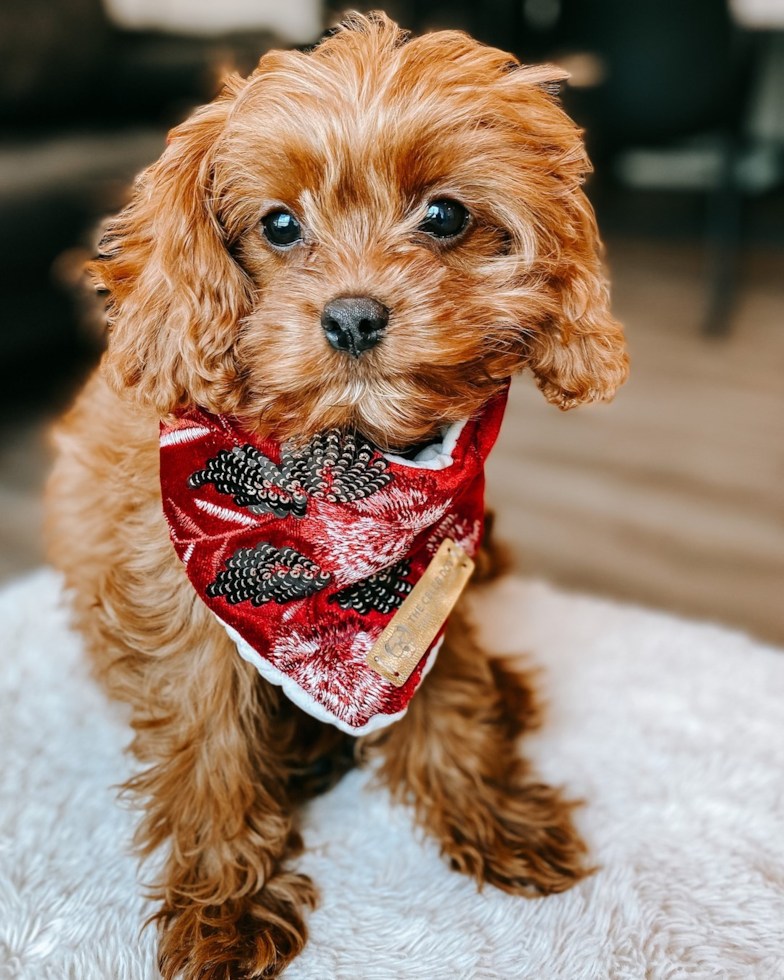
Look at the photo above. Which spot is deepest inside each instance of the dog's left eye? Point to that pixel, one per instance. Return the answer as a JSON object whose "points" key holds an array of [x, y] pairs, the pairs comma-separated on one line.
{"points": [[281, 228], [444, 219]]}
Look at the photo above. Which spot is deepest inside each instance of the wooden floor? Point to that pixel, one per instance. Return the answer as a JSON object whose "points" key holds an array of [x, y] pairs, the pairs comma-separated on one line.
{"points": [[673, 496]]}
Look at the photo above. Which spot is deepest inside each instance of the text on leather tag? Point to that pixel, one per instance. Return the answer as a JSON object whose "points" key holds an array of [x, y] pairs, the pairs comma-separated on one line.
{"points": [[424, 611]]}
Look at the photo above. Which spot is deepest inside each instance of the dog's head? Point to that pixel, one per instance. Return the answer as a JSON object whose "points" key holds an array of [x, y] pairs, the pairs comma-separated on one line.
{"points": [[375, 234]]}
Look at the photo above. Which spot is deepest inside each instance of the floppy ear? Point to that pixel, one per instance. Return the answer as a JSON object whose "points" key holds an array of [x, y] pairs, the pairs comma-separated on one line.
{"points": [[579, 354], [175, 293], [577, 350]]}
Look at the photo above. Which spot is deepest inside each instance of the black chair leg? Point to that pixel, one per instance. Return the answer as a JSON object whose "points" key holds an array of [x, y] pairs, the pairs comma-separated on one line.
{"points": [[725, 210]]}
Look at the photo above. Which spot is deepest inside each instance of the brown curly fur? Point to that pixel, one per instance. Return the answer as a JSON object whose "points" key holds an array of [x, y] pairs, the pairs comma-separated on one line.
{"points": [[355, 137]]}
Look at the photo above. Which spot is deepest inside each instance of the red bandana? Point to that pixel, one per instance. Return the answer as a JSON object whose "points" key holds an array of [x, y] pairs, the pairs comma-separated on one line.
{"points": [[306, 552]]}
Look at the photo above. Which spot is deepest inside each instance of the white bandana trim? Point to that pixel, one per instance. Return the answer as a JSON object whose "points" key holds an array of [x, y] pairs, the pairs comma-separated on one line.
{"points": [[436, 456], [306, 701]]}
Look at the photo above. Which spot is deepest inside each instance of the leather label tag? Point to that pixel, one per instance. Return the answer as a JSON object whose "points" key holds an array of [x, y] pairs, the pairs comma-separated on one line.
{"points": [[415, 625]]}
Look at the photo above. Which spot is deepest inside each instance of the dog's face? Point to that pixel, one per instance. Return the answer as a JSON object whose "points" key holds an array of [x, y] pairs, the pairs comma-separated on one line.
{"points": [[376, 234]]}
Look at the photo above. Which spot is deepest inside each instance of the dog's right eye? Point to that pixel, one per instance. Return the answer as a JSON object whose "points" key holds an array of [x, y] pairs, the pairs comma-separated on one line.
{"points": [[281, 228]]}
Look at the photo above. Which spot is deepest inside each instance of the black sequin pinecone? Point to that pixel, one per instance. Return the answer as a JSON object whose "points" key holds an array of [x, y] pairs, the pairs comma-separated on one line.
{"points": [[267, 574], [334, 466], [383, 591]]}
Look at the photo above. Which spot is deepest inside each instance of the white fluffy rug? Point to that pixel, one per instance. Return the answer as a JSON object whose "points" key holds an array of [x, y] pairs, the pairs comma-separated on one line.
{"points": [[672, 731]]}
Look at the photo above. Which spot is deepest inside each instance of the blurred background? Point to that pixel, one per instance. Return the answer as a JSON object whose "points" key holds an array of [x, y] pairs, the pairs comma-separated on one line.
{"points": [[671, 496]]}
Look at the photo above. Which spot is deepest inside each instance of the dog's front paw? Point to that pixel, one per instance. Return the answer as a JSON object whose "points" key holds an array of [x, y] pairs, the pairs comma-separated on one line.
{"points": [[523, 841], [244, 938]]}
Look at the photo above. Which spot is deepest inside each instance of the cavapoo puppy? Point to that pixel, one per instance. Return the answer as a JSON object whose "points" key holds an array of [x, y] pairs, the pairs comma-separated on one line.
{"points": [[268, 498]]}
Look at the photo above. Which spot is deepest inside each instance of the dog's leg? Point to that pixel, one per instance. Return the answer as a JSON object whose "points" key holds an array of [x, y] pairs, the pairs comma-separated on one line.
{"points": [[225, 756], [216, 799], [453, 757]]}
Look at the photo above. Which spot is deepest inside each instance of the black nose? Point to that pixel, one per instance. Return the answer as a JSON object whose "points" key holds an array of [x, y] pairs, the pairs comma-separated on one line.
{"points": [[354, 323]]}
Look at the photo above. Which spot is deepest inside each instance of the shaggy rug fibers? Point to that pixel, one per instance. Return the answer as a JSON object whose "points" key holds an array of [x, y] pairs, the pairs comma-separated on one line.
{"points": [[672, 731]]}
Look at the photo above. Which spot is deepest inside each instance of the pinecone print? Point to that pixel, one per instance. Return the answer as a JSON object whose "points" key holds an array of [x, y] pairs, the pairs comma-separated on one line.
{"points": [[335, 466], [383, 591], [253, 480], [266, 574], [332, 466]]}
